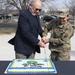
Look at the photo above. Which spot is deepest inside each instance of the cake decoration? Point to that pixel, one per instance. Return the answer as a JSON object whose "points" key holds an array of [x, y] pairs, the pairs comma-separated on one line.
{"points": [[31, 66]]}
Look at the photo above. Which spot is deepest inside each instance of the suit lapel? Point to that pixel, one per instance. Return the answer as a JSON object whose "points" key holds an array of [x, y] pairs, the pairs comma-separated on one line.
{"points": [[34, 20]]}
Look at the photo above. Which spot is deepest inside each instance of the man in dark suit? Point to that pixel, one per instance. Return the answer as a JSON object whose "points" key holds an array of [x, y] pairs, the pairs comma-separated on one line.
{"points": [[26, 41]]}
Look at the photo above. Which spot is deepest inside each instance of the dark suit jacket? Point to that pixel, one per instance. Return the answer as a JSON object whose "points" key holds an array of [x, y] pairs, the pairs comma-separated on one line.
{"points": [[26, 38]]}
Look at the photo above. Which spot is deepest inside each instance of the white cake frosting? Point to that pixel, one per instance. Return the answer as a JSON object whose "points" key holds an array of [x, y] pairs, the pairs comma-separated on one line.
{"points": [[31, 66]]}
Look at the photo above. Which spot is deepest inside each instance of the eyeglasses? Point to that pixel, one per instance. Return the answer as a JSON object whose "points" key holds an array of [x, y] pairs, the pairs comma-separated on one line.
{"points": [[38, 9]]}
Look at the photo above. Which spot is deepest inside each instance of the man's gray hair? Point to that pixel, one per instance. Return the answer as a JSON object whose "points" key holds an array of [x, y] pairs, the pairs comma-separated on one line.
{"points": [[32, 2]]}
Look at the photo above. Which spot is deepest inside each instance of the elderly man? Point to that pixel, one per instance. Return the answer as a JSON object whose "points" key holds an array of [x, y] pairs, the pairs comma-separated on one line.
{"points": [[61, 33], [26, 41]]}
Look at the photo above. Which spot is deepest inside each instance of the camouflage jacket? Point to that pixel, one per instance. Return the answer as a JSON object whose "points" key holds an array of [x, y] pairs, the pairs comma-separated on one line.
{"points": [[60, 36]]}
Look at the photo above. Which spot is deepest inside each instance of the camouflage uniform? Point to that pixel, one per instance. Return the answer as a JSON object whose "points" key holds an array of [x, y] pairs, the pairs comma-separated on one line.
{"points": [[59, 41]]}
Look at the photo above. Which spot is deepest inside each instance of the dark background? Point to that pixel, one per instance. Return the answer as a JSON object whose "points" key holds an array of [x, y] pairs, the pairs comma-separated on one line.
{"points": [[62, 67]]}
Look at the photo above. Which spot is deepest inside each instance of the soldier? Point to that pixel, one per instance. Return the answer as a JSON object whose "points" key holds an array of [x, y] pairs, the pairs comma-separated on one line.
{"points": [[59, 41]]}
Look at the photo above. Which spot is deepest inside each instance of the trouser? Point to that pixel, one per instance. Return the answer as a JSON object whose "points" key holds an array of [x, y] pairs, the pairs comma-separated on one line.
{"points": [[60, 56], [22, 56]]}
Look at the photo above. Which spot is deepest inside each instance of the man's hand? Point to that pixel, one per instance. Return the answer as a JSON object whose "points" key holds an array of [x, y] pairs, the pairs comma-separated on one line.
{"points": [[44, 39], [41, 44]]}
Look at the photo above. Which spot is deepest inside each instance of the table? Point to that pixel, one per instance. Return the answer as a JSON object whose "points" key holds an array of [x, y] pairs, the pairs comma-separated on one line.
{"points": [[63, 68]]}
